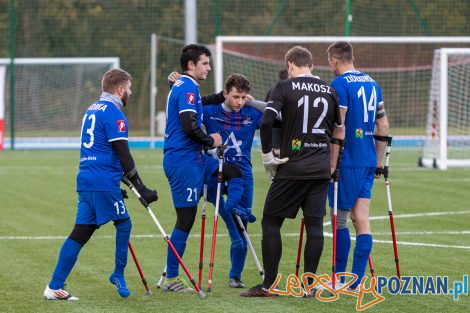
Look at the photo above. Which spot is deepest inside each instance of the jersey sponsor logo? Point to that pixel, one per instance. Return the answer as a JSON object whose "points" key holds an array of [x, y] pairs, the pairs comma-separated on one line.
{"points": [[296, 144], [121, 125], [359, 133], [190, 98], [217, 119], [315, 145], [310, 87]]}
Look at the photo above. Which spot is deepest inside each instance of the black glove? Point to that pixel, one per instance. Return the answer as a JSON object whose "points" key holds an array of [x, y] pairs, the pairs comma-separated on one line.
{"points": [[148, 194], [335, 175], [124, 193], [380, 171]]}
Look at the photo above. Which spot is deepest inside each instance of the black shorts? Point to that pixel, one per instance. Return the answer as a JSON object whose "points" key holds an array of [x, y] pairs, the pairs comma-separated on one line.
{"points": [[286, 196]]}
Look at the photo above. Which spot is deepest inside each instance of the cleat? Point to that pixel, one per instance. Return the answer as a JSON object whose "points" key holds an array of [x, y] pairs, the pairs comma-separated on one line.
{"points": [[59, 294], [235, 283], [257, 291], [320, 288], [176, 284], [355, 289], [120, 285], [312, 294]]}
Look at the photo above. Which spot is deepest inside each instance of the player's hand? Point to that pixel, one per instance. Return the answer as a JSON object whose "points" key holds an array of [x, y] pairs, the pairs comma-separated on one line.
{"points": [[271, 163], [124, 194], [217, 140], [248, 96], [212, 153], [335, 175], [379, 171], [244, 213], [148, 194], [173, 77]]}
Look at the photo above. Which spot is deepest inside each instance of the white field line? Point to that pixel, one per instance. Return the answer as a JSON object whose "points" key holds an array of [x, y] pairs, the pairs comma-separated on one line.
{"points": [[327, 234]]}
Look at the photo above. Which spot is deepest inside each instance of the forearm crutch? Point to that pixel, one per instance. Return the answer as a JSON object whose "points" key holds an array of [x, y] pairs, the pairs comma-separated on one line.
{"points": [[165, 236], [203, 227], [162, 278], [335, 211], [389, 202], [220, 156], [144, 281], [248, 242], [299, 251]]}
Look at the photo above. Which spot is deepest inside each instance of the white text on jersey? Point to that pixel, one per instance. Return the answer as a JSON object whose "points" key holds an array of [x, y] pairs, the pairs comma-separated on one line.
{"points": [[310, 87], [97, 107]]}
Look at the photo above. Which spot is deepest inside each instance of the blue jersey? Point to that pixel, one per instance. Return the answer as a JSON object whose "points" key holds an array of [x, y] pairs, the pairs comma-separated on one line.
{"points": [[179, 148], [360, 95], [100, 168], [240, 126]]}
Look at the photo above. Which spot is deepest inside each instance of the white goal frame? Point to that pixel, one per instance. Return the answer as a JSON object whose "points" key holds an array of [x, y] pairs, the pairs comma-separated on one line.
{"points": [[65, 142], [442, 162]]}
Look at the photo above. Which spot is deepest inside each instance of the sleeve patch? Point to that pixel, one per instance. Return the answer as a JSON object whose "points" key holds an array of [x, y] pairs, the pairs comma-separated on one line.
{"points": [[190, 99], [121, 126]]}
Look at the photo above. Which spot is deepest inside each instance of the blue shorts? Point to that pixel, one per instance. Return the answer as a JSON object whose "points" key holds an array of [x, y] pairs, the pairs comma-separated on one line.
{"points": [[100, 207], [186, 182], [354, 183]]}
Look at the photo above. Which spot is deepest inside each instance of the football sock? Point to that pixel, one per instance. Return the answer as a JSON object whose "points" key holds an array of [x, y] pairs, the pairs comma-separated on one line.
{"points": [[178, 239], [67, 257], [361, 256]]}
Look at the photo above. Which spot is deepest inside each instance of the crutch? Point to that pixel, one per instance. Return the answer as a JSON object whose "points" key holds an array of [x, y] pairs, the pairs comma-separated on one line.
{"points": [[165, 236], [335, 210], [162, 278], [144, 281], [203, 226], [220, 157], [335, 214], [248, 241], [299, 251], [389, 202]]}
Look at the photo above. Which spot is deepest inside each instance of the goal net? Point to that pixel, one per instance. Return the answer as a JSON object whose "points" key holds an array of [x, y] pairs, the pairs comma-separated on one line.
{"points": [[402, 66], [49, 98], [448, 121]]}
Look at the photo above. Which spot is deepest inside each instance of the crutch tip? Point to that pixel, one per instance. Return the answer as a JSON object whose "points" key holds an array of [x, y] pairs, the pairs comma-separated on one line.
{"points": [[149, 292], [201, 294]]}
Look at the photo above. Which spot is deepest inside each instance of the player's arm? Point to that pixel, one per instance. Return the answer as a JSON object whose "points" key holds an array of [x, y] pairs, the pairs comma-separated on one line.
{"points": [[337, 140], [381, 133], [194, 131], [215, 98], [121, 147]]}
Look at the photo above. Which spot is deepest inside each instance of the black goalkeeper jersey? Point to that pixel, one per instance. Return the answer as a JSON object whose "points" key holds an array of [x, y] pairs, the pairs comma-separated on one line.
{"points": [[309, 110]]}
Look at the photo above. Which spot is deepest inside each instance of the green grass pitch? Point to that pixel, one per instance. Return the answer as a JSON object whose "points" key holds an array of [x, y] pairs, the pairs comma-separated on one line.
{"points": [[38, 204]]}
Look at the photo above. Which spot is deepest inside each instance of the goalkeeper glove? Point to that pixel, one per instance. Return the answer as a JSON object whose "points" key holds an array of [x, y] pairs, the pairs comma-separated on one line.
{"points": [[271, 163]]}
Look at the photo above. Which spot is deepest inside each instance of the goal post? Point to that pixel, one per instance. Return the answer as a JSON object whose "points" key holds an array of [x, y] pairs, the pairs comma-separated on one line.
{"points": [[448, 123], [402, 66], [50, 95]]}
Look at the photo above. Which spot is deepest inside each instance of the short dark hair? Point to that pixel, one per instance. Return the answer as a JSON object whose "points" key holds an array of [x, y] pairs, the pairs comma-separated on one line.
{"points": [[300, 56], [341, 50], [283, 74], [239, 81], [113, 79], [192, 52]]}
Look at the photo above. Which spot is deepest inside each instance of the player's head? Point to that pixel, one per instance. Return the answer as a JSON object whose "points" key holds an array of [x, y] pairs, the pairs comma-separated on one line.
{"points": [[118, 83], [236, 89], [194, 60], [283, 74], [340, 54], [298, 57]]}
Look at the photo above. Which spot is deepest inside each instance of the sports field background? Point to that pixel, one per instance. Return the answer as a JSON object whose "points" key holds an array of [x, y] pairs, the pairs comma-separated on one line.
{"points": [[38, 204]]}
